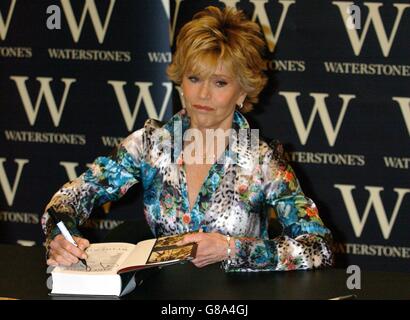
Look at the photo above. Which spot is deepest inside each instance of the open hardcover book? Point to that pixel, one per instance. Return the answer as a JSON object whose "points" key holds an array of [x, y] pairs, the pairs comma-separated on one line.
{"points": [[109, 266]]}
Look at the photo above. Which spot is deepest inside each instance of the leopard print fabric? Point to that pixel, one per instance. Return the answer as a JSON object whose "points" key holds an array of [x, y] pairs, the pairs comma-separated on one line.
{"points": [[248, 178]]}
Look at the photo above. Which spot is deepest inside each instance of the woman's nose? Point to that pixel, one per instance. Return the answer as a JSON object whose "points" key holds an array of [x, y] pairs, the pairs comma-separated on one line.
{"points": [[204, 91]]}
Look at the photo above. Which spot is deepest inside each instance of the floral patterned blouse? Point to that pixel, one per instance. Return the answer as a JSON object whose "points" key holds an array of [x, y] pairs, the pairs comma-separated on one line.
{"points": [[232, 200]]}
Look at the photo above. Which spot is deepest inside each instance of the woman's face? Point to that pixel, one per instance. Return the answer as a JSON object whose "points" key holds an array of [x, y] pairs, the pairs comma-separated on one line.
{"points": [[210, 101]]}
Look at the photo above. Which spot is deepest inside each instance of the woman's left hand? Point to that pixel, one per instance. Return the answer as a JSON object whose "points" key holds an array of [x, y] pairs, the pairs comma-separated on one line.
{"points": [[212, 247]]}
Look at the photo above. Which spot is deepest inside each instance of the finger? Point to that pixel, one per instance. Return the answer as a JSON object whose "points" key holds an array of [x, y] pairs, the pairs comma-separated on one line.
{"points": [[62, 261], [193, 237], [74, 250], [199, 260], [195, 262], [58, 237], [60, 242], [54, 255], [185, 239], [66, 255], [82, 243], [60, 246], [199, 263], [51, 255], [57, 241], [52, 262]]}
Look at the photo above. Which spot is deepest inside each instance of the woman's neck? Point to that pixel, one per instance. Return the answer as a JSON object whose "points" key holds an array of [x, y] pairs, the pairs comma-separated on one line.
{"points": [[206, 143]]}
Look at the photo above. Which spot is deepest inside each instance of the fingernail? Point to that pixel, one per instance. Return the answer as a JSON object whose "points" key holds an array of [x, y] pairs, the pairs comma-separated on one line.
{"points": [[84, 256]]}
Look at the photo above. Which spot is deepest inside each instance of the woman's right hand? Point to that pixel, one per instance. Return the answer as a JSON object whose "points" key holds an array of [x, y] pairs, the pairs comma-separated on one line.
{"points": [[64, 253]]}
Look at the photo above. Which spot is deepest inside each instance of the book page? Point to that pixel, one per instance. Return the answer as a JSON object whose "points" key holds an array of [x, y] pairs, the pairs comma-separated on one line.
{"points": [[140, 254], [103, 258]]}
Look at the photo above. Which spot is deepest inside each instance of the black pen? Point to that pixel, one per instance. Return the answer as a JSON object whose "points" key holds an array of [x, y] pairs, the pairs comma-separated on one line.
{"points": [[64, 231]]}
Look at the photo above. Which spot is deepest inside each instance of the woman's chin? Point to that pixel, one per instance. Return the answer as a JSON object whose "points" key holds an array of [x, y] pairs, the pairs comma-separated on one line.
{"points": [[210, 120], [204, 124], [200, 120]]}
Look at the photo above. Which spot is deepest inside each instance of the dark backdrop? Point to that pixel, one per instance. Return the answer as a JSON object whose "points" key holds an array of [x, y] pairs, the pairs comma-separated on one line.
{"points": [[337, 97]]}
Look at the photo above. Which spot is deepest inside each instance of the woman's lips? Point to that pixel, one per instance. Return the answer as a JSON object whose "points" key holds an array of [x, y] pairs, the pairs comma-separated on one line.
{"points": [[204, 108]]}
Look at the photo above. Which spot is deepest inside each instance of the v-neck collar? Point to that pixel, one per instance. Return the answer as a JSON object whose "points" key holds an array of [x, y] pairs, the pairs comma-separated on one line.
{"points": [[180, 122], [176, 127]]}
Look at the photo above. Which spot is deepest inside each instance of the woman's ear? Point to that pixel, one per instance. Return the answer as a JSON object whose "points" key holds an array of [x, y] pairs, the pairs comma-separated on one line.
{"points": [[241, 98]]}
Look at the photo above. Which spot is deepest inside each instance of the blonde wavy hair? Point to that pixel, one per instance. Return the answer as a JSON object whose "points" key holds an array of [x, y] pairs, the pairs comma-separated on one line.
{"points": [[215, 35]]}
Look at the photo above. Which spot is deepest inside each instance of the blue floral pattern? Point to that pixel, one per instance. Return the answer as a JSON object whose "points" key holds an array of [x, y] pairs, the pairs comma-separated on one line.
{"points": [[232, 200]]}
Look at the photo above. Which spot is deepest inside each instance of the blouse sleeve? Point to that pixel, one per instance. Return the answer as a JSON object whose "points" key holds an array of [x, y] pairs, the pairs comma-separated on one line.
{"points": [[305, 242], [108, 179]]}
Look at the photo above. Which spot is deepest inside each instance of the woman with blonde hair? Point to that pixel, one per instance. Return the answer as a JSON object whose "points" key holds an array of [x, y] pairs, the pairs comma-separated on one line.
{"points": [[217, 183]]}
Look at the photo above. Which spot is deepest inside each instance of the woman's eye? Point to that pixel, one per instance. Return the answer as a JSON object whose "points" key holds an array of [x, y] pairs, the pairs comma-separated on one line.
{"points": [[193, 79], [221, 83]]}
